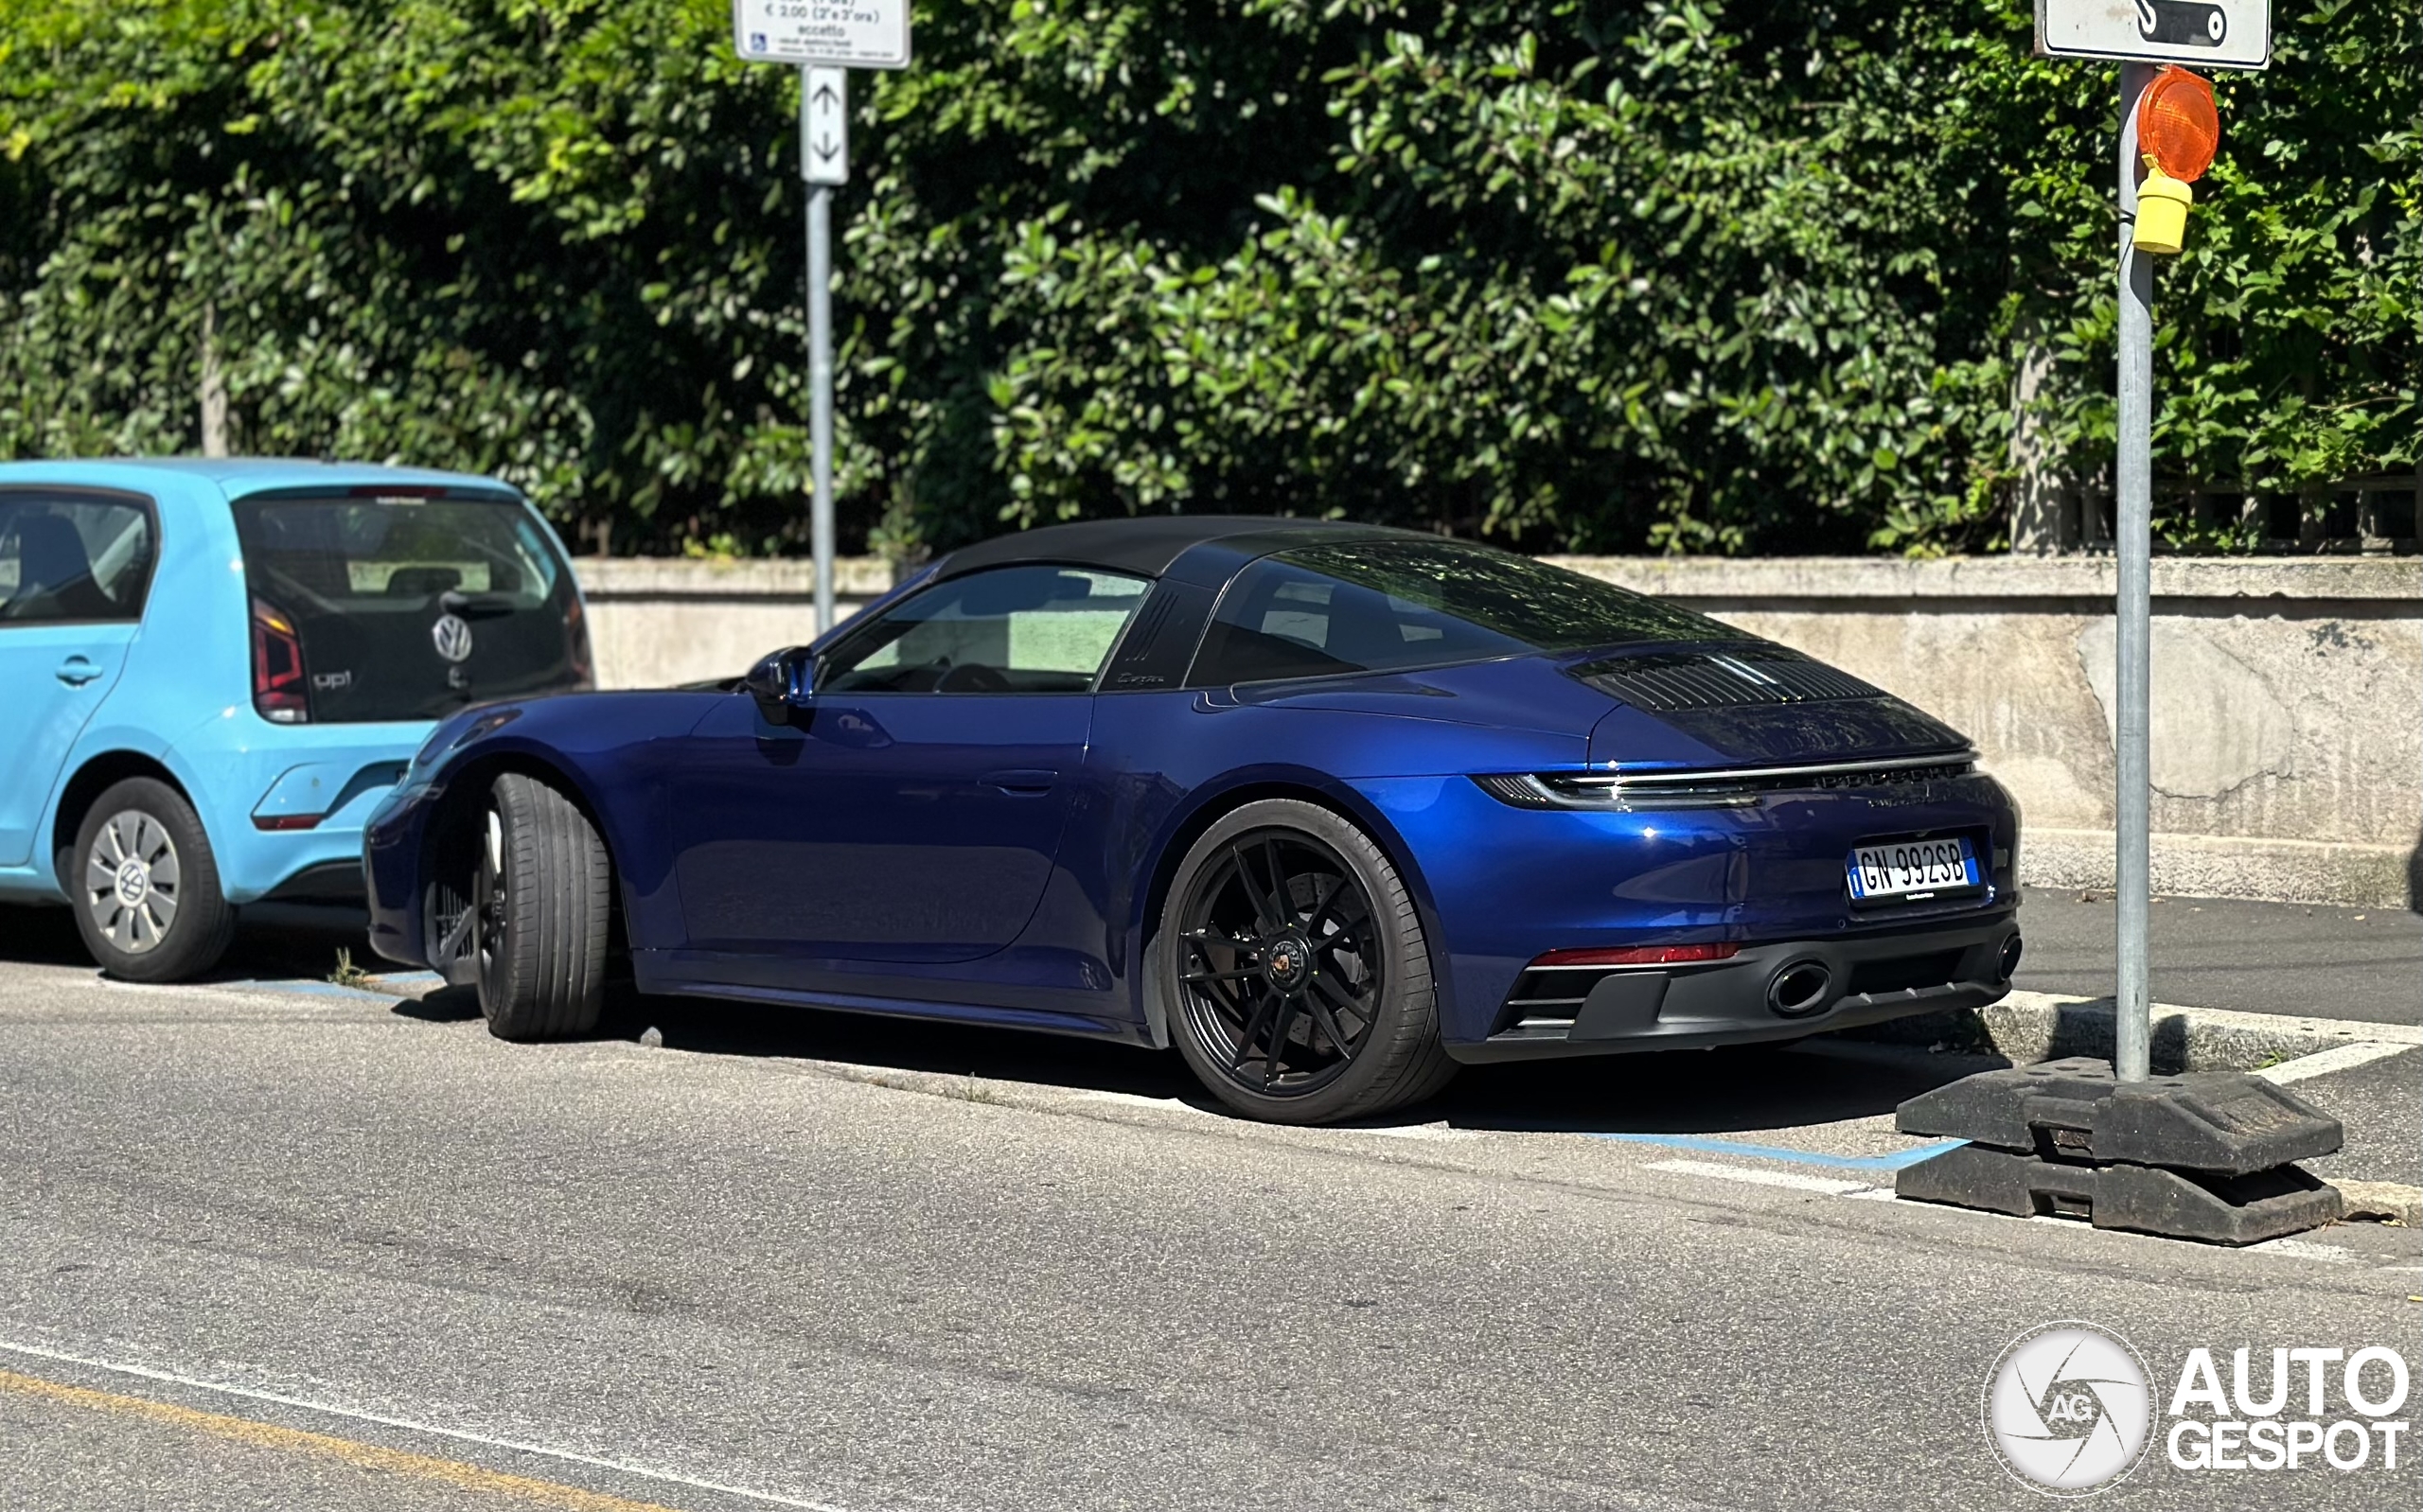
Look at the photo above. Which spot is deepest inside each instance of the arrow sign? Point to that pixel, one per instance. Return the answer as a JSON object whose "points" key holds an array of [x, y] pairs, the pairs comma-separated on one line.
{"points": [[2194, 33], [824, 126]]}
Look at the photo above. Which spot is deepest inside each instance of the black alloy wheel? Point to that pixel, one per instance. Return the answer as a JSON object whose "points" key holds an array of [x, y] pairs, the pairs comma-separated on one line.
{"points": [[1279, 960], [1299, 984]]}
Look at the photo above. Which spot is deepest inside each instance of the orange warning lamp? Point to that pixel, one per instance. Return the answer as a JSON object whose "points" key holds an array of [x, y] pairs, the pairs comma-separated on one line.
{"points": [[2178, 130]]}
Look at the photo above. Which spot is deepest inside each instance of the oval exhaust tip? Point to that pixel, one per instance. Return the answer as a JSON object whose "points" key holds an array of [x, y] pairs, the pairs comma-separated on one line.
{"points": [[1800, 988]]}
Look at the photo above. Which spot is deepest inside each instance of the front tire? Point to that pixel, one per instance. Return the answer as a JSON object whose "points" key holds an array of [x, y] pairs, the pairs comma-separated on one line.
{"points": [[1297, 974], [539, 901], [146, 885]]}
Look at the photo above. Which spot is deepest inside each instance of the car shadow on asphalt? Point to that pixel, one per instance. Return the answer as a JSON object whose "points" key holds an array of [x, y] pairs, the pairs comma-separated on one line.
{"points": [[881, 1042], [445, 1005], [1672, 1092], [1736, 1090], [1727, 1091], [274, 942]]}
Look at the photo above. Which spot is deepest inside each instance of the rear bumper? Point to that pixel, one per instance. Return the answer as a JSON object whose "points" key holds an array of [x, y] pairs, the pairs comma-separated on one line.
{"points": [[1869, 979], [283, 802]]}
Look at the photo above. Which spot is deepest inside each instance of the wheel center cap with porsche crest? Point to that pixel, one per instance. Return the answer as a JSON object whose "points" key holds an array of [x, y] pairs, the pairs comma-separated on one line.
{"points": [[1288, 961]]}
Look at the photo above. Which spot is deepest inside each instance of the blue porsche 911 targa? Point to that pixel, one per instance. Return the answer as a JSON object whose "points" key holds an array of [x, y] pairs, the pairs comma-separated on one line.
{"points": [[1333, 808]]}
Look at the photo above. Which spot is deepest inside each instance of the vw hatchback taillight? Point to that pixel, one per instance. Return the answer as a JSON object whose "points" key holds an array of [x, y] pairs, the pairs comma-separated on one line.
{"points": [[280, 691]]}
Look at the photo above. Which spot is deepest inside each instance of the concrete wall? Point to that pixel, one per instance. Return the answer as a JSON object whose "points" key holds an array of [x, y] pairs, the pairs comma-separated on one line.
{"points": [[2288, 717], [655, 623]]}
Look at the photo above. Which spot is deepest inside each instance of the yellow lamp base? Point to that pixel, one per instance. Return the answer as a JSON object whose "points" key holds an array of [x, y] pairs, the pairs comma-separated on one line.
{"points": [[2162, 213]]}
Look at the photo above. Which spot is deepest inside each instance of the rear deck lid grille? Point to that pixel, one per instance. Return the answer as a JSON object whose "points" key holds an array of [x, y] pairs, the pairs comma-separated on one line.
{"points": [[1666, 681]]}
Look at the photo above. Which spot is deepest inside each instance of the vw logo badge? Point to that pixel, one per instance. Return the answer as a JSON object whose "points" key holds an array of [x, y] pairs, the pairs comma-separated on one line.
{"points": [[452, 635]]}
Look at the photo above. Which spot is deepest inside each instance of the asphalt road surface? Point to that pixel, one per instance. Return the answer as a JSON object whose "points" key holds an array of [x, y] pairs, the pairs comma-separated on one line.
{"points": [[272, 1244], [2255, 958]]}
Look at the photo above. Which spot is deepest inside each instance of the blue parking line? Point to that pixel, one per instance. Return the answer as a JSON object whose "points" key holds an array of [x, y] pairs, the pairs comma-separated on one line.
{"points": [[1796, 1157], [313, 989]]}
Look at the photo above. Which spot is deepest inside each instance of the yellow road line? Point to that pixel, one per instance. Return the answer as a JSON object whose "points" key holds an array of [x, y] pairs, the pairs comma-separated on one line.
{"points": [[370, 1456]]}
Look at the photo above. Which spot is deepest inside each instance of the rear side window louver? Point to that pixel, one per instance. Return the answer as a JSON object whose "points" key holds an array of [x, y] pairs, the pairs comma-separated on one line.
{"points": [[1666, 681]]}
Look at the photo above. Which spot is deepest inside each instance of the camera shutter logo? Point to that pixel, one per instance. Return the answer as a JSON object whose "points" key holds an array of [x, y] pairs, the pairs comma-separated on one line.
{"points": [[453, 636], [2069, 1409]]}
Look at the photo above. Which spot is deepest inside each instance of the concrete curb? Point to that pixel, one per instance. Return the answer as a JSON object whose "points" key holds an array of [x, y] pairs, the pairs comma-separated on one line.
{"points": [[2384, 1201], [2026, 1027]]}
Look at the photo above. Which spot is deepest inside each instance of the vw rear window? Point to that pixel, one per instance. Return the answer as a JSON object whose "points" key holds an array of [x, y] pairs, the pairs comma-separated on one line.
{"points": [[409, 608]]}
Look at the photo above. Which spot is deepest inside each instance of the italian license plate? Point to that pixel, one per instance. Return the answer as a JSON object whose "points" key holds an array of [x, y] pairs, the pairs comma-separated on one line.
{"points": [[1913, 868]]}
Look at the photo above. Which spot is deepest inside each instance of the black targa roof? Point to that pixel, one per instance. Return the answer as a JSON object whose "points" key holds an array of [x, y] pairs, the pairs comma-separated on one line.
{"points": [[1147, 544]]}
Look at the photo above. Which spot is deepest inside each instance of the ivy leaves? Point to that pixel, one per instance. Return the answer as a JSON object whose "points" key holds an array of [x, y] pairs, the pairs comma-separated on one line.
{"points": [[1595, 274]]}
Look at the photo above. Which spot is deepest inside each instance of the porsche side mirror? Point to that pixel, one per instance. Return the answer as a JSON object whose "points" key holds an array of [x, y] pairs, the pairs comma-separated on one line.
{"points": [[783, 681]]}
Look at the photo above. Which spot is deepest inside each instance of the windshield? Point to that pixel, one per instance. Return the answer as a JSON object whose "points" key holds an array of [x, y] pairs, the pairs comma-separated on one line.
{"points": [[386, 608], [1377, 606]]}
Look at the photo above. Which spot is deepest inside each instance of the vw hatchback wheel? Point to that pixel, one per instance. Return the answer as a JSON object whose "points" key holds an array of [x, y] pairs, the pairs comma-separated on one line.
{"points": [[146, 885], [1295, 966], [539, 913]]}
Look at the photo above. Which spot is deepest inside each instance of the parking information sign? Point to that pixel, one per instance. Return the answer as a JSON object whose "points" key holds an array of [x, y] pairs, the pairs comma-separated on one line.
{"points": [[835, 33], [2192, 33]]}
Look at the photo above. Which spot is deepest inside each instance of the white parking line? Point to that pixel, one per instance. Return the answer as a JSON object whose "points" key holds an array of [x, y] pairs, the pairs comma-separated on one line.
{"points": [[1132, 1100], [2297, 1249], [2339, 1058], [2303, 1249], [1826, 1184], [408, 1425], [1415, 1131]]}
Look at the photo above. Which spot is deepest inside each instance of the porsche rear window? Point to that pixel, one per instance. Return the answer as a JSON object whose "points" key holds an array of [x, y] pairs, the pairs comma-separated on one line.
{"points": [[1394, 605]]}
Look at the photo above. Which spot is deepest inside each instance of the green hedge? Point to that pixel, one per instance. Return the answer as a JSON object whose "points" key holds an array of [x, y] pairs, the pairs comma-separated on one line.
{"points": [[1608, 276]]}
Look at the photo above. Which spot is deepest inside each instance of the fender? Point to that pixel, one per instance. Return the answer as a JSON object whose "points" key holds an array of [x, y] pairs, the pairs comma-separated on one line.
{"points": [[1233, 790]]}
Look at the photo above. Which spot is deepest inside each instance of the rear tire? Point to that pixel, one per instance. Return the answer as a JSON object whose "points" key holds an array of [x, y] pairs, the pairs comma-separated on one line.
{"points": [[540, 896], [1296, 970], [144, 886]]}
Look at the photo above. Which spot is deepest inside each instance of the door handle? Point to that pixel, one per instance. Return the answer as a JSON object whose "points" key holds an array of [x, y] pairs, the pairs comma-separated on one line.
{"points": [[77, 671], [1028, 780]]}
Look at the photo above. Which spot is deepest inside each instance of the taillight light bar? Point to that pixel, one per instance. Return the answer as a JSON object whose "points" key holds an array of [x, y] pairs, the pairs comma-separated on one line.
{"points": [[1639, 955]]}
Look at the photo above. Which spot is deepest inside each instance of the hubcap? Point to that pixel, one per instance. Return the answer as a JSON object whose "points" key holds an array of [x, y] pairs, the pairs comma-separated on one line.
{"points": [[132, 880], [1279, 963]]}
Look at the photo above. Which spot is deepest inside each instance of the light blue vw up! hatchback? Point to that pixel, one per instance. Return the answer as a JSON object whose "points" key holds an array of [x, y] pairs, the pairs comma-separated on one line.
{"points": [[211, 671]]}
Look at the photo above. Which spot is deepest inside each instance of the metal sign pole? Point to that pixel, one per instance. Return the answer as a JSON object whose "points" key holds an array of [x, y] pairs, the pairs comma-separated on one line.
{"points": [[2197, 34], [822, 40], [823, 112], [2133, 534], [820, 384], [2169, 1156]]}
